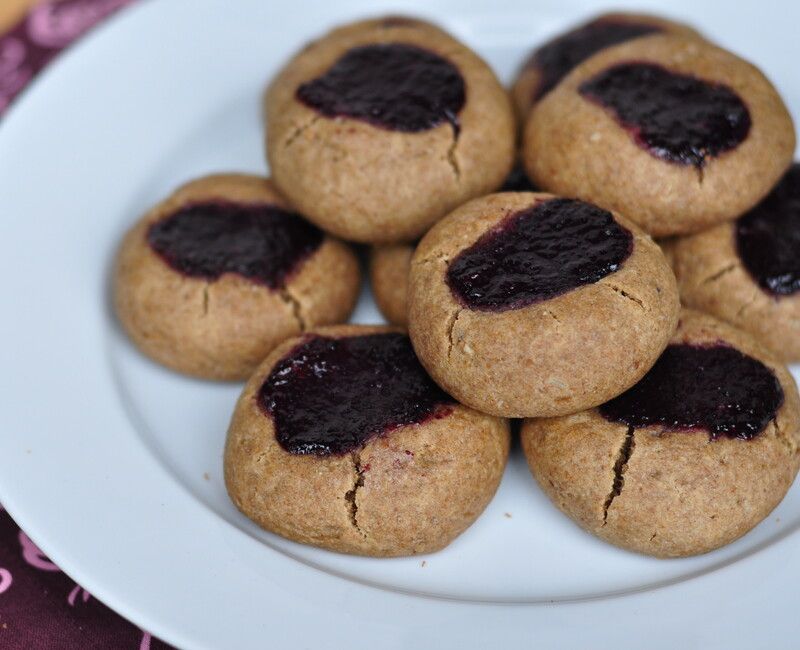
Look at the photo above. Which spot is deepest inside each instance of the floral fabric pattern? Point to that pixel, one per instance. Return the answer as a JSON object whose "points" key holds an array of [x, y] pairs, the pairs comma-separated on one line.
{"points": [[41, 35]]}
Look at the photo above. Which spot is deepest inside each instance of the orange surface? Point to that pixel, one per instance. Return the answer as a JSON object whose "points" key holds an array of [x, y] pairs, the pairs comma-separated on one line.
{"points": [[11, 11]]}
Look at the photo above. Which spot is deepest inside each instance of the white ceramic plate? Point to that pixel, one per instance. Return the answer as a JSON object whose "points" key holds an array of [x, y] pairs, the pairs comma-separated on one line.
{"points": [[113, 464]]}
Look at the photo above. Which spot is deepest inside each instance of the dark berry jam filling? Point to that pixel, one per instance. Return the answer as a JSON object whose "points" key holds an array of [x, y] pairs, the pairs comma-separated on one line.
{"points": [[332, 395], [675, 117], [556, 58], [539, 253], [392, 86], [262, 243], [518, 181], [768, 237], [712, 388]]}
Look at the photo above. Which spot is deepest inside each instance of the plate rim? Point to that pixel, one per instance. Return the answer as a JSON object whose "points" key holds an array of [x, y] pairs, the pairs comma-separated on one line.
{"points": [[35, 526]]}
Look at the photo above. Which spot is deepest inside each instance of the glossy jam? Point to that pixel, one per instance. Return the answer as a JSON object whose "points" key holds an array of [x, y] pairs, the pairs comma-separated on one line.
{"points": [[332, 395], [556, 58], [539, 253], [675, 117], [518, 181], [768, 238], [712, 388], [262, 243], [390, 85]]}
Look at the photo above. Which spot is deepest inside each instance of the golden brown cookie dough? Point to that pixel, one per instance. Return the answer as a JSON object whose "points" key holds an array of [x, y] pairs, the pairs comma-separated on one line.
{"points": [[371, 183], [666, 492], [670, 184], [408, 490], [715, 273], [223, 328], [549, 63], [388, 275], [557, 355]]}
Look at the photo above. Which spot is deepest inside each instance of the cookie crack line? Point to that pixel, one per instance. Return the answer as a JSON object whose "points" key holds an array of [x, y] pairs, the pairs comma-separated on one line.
{"points": [[620, 465], [451, 158], [785, 440], [553, 316], [718, 274], [350, 495], [290, 300], [747, 305], [450, 328], [205, 301], [628, 295], [300, 130]]}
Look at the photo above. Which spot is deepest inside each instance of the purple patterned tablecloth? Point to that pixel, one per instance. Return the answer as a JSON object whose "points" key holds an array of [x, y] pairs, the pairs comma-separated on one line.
{"points": [[40, 606]]}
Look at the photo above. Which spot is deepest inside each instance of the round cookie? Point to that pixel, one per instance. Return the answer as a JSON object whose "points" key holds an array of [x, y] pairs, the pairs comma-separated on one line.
{"points": [[340, 440], [215, 276], [381, 127], [526, 305], [747, 272], [388, 276], [549, 63], [670, 131], [389, 265], [689, 459]]}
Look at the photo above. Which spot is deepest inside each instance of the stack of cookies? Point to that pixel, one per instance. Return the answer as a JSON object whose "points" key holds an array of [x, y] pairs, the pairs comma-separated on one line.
{"points": [[513, 254]]}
